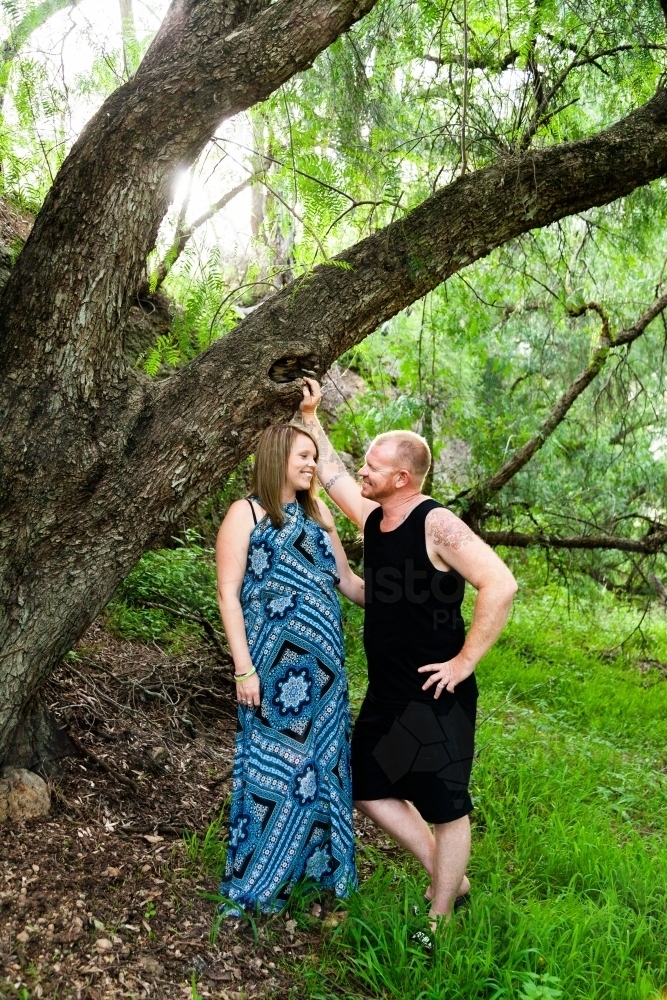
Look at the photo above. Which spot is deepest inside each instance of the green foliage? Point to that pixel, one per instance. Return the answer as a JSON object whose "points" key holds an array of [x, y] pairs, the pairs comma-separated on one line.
{"points": [[205, 311], [194, 991], [207, 854], [180, 581], [487, 357]]}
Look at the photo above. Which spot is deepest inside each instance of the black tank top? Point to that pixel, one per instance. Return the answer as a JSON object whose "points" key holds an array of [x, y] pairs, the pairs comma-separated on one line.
{"points": [[413, 610]]}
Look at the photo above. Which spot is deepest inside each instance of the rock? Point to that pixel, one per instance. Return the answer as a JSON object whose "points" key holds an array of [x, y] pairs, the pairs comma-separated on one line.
{"points": [[220, 975], [23, 937], [103, 944], [339, 386], [23, 795], [151, 965]]}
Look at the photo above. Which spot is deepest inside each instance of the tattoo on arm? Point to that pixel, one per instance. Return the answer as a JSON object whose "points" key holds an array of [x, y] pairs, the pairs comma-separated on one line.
{"points": [[447, 529], [328, 454], [310, 425], [327, 486]]}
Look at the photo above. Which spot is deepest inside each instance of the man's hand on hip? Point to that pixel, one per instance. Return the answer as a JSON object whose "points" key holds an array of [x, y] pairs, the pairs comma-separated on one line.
{"points": [[446, 675]]}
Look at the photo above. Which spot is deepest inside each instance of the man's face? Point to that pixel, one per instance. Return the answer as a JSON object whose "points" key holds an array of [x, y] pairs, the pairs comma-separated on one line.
{"points": [[378, 474]]}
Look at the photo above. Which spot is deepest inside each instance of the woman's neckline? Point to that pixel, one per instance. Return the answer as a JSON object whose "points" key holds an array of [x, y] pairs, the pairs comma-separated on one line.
{"points": [[264, 515]]}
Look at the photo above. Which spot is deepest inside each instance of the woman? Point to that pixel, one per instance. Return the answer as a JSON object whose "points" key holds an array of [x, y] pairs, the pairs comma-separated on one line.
{"points": [[279, 560]]}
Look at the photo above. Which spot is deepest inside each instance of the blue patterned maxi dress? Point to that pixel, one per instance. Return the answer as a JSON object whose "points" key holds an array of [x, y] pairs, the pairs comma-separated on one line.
{"points": [[291, 810]]}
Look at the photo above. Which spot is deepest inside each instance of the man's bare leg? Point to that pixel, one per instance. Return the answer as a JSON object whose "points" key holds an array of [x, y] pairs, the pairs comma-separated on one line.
{"points": [[405, 825], [452, 851]]}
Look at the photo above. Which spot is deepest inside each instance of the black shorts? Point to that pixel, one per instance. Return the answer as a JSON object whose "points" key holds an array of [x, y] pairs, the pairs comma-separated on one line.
{"points": [[421, 752]]}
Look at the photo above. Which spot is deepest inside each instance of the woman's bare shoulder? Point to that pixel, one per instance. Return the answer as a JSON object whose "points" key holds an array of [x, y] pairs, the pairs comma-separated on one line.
{"points": [[325, 513], [239, 515], [240, 506]]}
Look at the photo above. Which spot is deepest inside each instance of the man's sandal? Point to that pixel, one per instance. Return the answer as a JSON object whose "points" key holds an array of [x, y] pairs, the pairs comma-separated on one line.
{"points": [[460, 901], [419, 937]]}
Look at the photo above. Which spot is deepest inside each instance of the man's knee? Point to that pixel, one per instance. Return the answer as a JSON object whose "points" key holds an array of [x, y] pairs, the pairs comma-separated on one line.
{"points": [[370, 806], [454, 825], [364, 806]]}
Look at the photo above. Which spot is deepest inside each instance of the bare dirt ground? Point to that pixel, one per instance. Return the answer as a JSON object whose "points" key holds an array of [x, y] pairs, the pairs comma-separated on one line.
{"points": [[101, 899]]}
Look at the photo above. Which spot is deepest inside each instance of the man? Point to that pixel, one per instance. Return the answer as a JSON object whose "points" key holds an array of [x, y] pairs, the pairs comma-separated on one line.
{"points": [[413, 741]]}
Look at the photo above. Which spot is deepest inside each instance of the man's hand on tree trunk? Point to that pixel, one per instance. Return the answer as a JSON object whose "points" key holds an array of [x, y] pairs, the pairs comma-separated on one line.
{"points": [[331, 470], [330, 467]]}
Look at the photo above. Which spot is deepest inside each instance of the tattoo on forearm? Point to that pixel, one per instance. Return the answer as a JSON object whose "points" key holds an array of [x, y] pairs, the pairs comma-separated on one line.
{"points": [[327, 486], [447, 529], [328, 454]]}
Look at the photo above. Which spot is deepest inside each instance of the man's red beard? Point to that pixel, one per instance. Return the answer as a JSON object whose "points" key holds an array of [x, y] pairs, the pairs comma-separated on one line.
{"points": [[377, 493]]}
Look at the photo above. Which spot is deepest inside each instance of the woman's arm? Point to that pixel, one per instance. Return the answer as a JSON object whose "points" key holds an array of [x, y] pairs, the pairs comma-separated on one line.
{"points": [[231, 555], [351, 585]]}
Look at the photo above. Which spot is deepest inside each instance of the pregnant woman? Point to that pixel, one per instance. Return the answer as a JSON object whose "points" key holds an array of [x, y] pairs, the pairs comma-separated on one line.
{"points": [[279, 561]]}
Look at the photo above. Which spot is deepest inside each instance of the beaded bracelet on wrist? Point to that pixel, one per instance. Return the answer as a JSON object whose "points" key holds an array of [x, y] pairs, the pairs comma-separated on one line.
{"points": [[244, 677]]}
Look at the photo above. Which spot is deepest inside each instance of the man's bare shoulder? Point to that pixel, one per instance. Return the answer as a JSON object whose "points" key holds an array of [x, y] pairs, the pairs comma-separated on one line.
{"points": [[446, 529]]}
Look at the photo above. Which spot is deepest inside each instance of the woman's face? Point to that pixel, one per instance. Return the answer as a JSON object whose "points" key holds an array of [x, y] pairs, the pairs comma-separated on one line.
{"points": [[301, 465]]}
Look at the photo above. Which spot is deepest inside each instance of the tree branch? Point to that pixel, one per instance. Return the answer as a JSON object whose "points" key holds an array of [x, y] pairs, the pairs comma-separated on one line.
{"points": [[480, 63], [210, 60], [542, 114], [479, 495], [185, 233], [649, 545], [660, 588], [129, 37], [333, 308]]}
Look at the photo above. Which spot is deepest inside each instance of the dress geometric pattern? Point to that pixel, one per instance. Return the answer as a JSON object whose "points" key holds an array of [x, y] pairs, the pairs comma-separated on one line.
{"points": [[291, 810]]}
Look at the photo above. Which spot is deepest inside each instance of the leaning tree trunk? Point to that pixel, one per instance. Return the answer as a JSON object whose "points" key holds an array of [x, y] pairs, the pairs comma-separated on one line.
{"points": [[96, 460], [72, 413]]}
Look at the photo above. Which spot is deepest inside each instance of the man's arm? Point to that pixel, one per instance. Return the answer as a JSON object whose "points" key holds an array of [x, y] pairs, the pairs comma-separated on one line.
{"points": [[448, 538], [331, 471]]}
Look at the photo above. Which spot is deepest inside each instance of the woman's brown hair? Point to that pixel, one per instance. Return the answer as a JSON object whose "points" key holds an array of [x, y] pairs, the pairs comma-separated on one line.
{"points": [[270, 473]]}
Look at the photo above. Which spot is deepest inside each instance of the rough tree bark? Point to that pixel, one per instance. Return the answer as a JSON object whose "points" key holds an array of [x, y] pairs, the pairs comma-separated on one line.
{"points": [[95, 460]]}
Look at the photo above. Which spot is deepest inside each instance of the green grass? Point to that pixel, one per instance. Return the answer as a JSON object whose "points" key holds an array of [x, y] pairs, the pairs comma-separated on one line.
{"points": [[569, 864]]}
